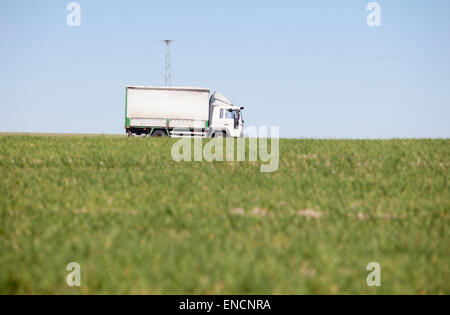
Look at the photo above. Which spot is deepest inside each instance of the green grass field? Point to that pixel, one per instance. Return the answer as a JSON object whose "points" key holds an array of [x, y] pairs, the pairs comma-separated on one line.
{"points": [[137, 222]]}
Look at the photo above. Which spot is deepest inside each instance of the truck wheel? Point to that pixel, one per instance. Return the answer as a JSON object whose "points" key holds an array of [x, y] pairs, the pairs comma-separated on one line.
{"points": [[219, 134], [129, 133], [159, 133]]}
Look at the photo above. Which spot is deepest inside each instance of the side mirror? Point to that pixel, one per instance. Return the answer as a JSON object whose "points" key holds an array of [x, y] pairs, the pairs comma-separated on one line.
{"points": [[242, 108]]}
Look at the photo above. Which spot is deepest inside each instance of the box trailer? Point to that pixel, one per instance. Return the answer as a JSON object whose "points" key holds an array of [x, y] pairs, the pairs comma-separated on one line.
{"points": [[180, 111]]}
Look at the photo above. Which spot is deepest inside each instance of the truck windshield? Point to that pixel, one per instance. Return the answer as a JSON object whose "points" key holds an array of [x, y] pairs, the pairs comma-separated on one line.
{"points": [[232, 114], [235, 116]]}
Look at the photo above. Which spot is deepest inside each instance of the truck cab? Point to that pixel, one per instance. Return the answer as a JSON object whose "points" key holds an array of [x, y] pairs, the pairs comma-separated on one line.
{"points": [[226, 118]]}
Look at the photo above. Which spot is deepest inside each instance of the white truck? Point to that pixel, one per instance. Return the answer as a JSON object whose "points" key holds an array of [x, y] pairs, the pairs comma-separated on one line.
{"points": [[180, 112]]}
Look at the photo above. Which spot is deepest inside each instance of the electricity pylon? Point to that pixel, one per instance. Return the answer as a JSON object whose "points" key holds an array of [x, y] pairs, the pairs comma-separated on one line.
{"points": [[168, 77]]}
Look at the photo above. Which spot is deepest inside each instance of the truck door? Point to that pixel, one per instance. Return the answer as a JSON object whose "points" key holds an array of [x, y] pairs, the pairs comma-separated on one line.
{"points": [[223, 119], [219, 120]]}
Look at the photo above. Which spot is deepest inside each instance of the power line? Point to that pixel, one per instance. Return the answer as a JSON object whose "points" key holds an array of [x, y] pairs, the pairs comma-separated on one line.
{"points": [[274, 50], [312, 52]]}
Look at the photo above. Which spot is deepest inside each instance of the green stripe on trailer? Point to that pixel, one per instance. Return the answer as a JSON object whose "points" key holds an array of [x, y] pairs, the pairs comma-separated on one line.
{"points": [[145, 127]]}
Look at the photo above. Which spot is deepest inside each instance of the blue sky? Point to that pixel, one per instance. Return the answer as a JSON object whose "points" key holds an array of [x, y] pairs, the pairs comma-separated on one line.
{"points": [[314, 68]]}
